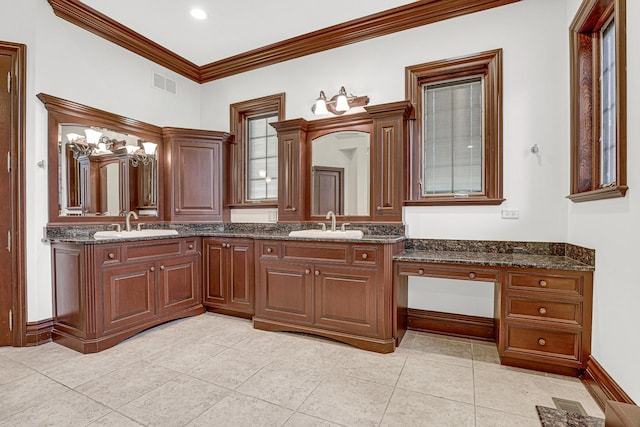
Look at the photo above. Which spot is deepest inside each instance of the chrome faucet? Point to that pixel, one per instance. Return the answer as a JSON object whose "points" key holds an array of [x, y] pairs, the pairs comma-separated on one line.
{"points": [[331, 215], [127, 220]]}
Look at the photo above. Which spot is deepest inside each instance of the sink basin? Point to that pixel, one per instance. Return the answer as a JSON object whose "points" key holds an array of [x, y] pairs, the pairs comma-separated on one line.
{"points": [[133, 234], [327, 234]]}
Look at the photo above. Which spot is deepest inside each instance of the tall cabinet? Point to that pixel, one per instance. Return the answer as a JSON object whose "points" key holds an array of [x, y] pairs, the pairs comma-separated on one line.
{"points": [[195, 164]]}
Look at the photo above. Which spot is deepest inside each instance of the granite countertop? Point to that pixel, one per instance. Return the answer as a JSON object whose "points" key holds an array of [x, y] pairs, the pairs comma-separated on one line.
{"points": [[489, 259]]}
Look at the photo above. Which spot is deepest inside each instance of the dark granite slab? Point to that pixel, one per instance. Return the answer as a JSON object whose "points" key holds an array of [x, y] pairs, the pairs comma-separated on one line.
{"points": [[551, 417]]}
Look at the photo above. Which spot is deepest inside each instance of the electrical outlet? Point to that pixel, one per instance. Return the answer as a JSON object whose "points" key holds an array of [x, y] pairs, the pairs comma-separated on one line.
{"points": [[510, 213], [273, 216]]}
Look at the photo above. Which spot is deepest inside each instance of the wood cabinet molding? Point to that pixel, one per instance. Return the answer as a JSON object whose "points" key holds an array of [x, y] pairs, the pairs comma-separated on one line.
{"points": [[401, 18]]}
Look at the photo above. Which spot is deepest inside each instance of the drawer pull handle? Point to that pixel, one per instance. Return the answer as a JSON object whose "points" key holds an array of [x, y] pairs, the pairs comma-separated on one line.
{"points": [[317, 272], [269, 250], [421, 271], [542, 310], [543, 283], [307, 271], [152, 269], [472, 275], [162, 267], [542, 341], [365, 256], [112, 255], [190, 246]]}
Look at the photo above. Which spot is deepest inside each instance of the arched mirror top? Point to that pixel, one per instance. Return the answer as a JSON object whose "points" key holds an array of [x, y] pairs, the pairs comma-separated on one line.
{"points": [[101, 165]]}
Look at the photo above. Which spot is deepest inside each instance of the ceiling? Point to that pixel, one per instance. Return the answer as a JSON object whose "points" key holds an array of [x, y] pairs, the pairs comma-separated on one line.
{"points": [[232, 27]]}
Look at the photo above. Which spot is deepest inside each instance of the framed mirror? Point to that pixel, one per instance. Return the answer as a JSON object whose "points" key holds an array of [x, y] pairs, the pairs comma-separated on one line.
{"points": [[101, 165]]}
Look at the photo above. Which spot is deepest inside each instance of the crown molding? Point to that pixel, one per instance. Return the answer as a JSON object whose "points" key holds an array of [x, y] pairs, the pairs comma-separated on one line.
{"points": [[387, 22]]}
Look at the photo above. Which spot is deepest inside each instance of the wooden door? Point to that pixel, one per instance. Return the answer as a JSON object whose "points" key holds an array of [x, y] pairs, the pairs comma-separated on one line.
{"points": [[215, 273], [178, 287], [6, 208], [129, 295], [328, 190], [241, 276], [285, 292]]}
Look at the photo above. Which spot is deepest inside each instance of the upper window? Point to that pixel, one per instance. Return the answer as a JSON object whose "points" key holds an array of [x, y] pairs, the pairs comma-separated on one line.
{"points": [[253, 178], [598, 101], [458, 147]]}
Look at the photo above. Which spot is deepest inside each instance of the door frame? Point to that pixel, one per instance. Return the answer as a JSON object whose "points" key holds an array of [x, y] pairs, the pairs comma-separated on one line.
{"points": [[18, 53]]}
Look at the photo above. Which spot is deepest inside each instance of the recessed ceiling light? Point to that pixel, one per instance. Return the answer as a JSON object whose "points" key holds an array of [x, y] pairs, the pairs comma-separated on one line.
{"points": [[198, 13]]}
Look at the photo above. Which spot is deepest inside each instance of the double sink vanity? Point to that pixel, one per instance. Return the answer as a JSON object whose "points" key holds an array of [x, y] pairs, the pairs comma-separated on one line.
{"points": [[345, 283]]}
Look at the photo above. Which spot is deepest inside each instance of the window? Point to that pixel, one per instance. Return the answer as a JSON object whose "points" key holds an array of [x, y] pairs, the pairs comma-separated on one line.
{"points": [[253, 177], [457, 151], [598, 101]]}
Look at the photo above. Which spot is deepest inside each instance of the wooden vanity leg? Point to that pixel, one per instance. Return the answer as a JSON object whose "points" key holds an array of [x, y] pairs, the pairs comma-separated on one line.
{"points": [[401, 293]]}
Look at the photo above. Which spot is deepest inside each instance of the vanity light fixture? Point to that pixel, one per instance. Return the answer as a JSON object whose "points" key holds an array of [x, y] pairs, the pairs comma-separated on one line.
{"points": [[339, 103]]}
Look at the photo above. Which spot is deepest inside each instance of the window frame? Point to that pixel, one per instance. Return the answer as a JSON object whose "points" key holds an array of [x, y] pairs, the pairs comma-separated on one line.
{"points": [[489, 65], [240, 112], [585, 98]]}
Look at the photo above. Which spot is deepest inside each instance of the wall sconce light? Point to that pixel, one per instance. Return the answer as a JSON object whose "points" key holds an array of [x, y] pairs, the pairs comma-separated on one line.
{"points": [[141, 155], [339, 103]]}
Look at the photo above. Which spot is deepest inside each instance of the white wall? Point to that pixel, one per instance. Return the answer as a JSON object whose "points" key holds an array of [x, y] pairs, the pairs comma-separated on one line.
{"points": [[612, 227], [533, 36], [68, 62]]}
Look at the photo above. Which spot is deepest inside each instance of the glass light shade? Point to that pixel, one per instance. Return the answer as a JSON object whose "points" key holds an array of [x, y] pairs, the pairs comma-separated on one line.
{"points": [[149, 148], [131, 148], [73, 136], [342, 104], [102, 147], [93, 136], [321, 105]]}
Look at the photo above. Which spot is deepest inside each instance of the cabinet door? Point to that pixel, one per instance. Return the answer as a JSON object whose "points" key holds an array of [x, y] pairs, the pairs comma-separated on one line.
{"points": [[128, 295], [215, 272], [178, 284], [196, 179], [284, 292], [346, 299], [241, 276]]}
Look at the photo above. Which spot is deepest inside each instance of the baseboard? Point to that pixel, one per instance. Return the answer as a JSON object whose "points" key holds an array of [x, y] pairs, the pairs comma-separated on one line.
{"points": [[39, 332], [601, 386], [457, 325]]}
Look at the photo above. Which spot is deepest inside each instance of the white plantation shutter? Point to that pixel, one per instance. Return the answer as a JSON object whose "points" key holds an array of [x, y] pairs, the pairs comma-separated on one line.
{"points": [[262, 162], [608, 109], [453, 135]]}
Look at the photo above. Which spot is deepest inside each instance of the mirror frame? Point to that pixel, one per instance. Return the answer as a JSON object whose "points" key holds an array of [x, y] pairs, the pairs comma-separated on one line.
{"points": [[62, 111], [360, 122]]}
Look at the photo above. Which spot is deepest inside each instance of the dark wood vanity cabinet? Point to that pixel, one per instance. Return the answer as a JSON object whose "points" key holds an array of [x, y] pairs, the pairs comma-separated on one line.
{"points": [[105, 293], [228, 272], [195, 164], [339, 290], [546, 319]]}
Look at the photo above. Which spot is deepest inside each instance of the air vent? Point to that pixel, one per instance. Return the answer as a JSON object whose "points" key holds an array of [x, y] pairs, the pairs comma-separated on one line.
{"points": [[569, 405], [161, 82]]}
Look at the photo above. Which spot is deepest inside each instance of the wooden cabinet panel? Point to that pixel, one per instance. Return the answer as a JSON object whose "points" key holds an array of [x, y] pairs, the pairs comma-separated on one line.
{"points": [[565, 283], [335, 252], [178, 284], [229, 274], [286, 292], [68, 297], [195, 162], [128, 294], [459, 272], [569, 312], [543, 342], [346, 299]]}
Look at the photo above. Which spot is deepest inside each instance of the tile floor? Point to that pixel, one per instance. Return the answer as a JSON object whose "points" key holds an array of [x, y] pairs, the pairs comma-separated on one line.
{"points": [[214, 370]]}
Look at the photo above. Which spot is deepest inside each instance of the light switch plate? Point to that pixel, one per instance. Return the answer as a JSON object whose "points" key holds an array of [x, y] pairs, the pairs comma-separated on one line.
{"points": [[273, 216], [510, 214]]}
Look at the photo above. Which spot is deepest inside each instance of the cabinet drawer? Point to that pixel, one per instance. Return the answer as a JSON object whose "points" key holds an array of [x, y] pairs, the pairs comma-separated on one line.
{"points": [[111, 255], [568, 312], [365, 255], [269, 250], [190, 246], [153, 249], [552, 343], [315, 252], [557, 283], [448, 272]]}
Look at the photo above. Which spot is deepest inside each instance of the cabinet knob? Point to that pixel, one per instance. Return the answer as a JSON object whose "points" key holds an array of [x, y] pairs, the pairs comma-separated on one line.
{"points": [[190, 246], [379, 208], [111, 255], [421, 271], [162, 267], [543, 283], [542, 310], [177, 210], [307, 271], [365, 256], [293, 209], [152, 269], [472, 275], [269, 250], [317, 272], [542, 341]]}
